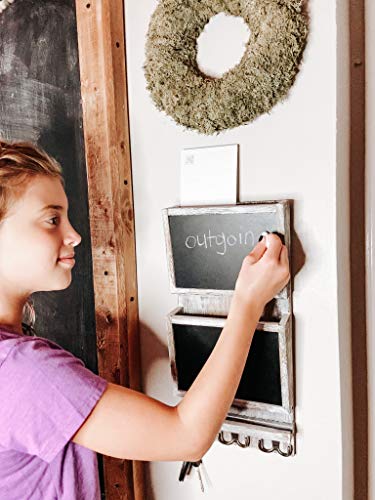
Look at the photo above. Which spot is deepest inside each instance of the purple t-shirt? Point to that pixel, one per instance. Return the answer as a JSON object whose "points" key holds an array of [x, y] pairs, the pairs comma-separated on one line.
{"points": [[46, 394]]}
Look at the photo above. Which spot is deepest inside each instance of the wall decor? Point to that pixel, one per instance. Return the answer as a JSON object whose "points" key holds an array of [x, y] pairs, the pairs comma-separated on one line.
{"points": [[263, 77]]}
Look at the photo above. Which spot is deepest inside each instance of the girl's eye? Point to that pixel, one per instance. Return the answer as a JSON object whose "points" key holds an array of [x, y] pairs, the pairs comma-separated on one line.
{"points": [[54, 219]]}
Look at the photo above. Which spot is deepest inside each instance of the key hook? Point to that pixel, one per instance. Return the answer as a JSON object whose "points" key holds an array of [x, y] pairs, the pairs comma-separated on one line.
{"points": [[224, 441], [245, 444], [275, 447], [235, 439]]}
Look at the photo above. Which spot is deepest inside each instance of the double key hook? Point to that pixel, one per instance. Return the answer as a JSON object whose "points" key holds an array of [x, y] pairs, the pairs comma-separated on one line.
{"points": [[235, 439], [275, 447], [246, 443]]}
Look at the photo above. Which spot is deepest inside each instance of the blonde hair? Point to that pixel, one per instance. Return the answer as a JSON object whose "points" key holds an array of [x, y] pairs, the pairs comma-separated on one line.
{"points": [[19, 163]]}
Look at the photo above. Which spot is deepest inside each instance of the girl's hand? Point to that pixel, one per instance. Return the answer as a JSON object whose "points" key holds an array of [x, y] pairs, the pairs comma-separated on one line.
{"points": [[264, 272]]}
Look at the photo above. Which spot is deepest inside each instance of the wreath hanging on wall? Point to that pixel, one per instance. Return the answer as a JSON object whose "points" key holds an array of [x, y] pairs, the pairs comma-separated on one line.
{"points": [[278, 33]]}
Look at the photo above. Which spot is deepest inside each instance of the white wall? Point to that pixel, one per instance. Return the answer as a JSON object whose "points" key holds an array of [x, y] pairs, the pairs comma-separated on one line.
{"points": [[298, 151]]}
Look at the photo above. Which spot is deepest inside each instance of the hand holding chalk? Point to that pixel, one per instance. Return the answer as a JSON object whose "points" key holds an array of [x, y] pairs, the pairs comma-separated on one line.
{"points": [[264, 272], [264, 235]]}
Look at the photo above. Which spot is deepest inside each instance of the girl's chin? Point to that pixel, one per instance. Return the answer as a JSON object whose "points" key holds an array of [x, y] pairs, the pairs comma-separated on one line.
{"points": [[64, 280], [62, 285]]}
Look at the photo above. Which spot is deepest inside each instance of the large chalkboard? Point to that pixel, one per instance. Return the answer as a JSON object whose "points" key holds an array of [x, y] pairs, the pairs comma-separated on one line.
{"points": [[40, 101], [260, 380], [207, 249]]}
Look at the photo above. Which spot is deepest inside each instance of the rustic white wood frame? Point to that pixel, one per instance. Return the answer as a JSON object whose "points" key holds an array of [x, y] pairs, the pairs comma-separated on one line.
{"points": [[242, 409], [259, 421], [280, 207]]}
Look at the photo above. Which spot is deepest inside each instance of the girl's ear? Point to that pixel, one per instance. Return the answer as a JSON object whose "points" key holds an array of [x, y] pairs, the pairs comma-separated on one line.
{"points": [[28, 314]]}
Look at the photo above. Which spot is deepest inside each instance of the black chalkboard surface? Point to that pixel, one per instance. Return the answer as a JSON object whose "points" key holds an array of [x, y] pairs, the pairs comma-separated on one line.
{"points": [[260, 380], [207, 249], [40, 101]]}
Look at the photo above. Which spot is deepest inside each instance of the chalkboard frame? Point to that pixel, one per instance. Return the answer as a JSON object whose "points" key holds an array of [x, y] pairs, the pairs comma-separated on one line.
{"points": [[250, 411], [279, 207], [207, 307]]}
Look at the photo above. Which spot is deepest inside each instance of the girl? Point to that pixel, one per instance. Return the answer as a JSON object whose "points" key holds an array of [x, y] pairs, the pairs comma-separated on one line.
{"points": [[55, 413]]}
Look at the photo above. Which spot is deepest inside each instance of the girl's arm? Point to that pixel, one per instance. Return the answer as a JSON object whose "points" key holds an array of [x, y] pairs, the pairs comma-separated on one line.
{"points": [[128, 424]]}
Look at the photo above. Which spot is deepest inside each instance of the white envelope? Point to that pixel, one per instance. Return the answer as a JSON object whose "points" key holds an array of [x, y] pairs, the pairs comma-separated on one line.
{"points": [[209, 175]]}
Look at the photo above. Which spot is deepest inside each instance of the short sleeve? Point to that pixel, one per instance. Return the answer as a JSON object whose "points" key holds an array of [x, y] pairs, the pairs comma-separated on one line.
{"points": [[46, 394]]}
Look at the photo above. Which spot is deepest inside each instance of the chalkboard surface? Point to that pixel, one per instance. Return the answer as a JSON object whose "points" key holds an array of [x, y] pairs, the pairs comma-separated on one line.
{"points": [[260, 380], [40, 101], [208, 249]]}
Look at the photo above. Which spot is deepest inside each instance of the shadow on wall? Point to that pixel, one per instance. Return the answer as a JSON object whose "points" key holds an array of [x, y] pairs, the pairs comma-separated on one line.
{"points": [[298, 254], [152, 350]]}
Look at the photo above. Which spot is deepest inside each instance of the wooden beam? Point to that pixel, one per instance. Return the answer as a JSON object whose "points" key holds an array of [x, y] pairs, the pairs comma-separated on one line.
{"points": [[358, 244], [102, 54]]}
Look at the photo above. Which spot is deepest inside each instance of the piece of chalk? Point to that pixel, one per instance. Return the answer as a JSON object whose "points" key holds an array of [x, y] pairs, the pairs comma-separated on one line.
{"points": [[265, 236]]}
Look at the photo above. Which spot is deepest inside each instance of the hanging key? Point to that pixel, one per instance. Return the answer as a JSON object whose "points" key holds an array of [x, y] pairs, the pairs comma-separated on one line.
{"points": [[197, 465], [205, 474], [185, 470]]}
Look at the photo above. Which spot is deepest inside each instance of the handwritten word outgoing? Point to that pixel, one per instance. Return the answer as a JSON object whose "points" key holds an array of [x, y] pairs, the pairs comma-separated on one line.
{"points": [[220, 240]]}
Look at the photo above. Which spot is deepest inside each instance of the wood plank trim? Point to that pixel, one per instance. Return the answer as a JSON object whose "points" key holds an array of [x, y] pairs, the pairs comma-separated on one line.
{"points": [[102, 53]]}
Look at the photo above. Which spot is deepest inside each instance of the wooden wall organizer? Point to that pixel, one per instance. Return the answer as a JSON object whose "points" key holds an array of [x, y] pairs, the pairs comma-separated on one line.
{"points": [[262, 413]]}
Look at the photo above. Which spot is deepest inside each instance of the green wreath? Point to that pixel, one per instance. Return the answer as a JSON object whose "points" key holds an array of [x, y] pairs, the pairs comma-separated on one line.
{"points": [[263, 76]]}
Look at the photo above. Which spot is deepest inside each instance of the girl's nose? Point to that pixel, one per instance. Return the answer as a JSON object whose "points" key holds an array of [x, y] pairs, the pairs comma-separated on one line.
{"points": [[78, 239], [73, 238]]}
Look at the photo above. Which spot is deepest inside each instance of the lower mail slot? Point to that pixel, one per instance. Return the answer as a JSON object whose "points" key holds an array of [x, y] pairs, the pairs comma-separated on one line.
{"points": [[260, 380]]}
